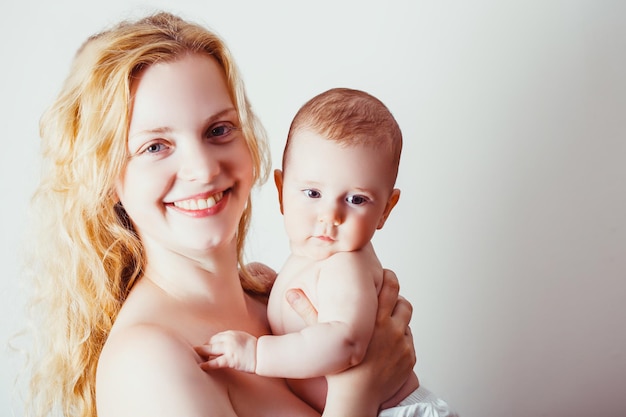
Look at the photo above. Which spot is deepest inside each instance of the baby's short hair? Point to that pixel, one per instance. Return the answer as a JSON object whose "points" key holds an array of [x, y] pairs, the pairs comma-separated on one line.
{"points": [[351, 118]]}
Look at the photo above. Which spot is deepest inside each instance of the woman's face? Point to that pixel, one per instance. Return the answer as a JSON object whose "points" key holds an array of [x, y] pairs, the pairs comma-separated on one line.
{"points": [[190, 172]]}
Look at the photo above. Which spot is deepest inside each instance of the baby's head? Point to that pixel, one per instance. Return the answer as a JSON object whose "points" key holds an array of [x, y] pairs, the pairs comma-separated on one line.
{"points": [[350, 118], [339, 170]]}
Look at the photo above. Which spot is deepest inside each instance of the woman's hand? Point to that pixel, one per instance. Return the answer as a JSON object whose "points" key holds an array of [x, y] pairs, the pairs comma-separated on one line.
{"points": [[388, 363], [263, 275]]}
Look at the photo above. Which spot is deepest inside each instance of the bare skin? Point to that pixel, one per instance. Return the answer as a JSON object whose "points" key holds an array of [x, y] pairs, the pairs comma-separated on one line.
{"points": [[149, 356], [185, 188], [331, 211], [152, 346]]}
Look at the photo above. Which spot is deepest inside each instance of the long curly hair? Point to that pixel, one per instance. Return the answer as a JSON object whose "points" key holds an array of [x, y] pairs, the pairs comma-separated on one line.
{"points": [[84, 254]]}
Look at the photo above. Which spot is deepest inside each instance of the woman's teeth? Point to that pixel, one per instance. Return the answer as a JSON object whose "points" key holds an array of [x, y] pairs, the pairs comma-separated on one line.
{"points": [[199, 204]]}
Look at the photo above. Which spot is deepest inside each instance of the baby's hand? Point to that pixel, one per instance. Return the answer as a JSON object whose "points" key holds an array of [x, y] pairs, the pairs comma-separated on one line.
{"points": [[229, 349]]}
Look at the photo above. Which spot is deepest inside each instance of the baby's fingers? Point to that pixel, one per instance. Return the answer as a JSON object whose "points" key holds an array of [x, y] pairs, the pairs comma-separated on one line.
{"points": [[217, 345], [216, 362], [208, 350], [213, 355]]}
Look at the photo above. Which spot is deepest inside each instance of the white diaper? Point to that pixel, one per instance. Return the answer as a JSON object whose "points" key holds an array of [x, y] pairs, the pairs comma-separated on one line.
{"points": [[420, 403]]}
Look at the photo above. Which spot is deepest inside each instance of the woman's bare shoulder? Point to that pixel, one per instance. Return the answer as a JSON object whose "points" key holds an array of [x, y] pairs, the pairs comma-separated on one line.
{"points": [[146, 369]]}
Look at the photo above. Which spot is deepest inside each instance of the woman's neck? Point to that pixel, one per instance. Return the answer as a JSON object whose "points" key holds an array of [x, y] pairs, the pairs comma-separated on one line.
{"points": [[207, 281]]}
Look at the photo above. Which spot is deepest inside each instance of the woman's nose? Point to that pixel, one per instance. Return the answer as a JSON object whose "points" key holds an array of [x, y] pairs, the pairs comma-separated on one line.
{"points": [[198, 163]]}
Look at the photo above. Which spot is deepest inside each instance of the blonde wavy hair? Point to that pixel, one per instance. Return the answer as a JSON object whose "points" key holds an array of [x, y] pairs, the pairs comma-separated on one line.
{"points": [[85, 256]]}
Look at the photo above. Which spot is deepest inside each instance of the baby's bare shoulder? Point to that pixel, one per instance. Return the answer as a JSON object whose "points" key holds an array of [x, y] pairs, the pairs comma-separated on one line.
{"points": [[364, 258]]}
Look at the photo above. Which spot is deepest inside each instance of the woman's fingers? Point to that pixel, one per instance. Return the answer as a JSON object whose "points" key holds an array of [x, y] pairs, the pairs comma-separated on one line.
{"points": [[263, 275], [402, 311], [388, 296], [301, 304], [396, 311]]}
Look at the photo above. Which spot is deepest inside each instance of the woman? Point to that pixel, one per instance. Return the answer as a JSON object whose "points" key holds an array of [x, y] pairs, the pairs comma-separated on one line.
{"points": [[150, 151]]}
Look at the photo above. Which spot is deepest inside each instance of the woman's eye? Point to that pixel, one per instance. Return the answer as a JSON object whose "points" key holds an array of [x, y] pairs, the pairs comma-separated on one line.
{"points": [[312, 193], [155, 147], [357, 200], [221, 130]]}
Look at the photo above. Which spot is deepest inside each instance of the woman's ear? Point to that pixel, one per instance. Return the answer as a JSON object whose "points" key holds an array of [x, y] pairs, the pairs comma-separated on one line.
{"points": [[391, 203], [278, 180]]}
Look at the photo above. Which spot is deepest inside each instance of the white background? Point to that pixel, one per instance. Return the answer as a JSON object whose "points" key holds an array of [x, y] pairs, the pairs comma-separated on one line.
{"points": [[510, 234]]}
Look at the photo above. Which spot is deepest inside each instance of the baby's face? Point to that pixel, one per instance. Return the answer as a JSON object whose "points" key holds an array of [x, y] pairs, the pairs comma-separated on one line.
{"points": [[334, 197]]}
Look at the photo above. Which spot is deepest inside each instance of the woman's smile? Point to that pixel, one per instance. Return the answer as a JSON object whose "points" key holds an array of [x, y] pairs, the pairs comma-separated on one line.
{"points": [[199, 203], [201, 206]]}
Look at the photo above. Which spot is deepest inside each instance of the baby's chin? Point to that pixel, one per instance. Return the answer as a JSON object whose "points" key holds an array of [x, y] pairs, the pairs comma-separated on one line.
{"points": [[319, 250], [315, 252]]}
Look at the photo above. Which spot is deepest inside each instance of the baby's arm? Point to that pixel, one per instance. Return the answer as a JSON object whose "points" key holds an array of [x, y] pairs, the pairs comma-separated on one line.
{"points": [[347, 304], [230, 349]]}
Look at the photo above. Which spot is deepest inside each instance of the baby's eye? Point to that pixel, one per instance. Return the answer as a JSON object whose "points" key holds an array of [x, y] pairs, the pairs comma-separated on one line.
{"points": [[312, 193], [357, 200], [221, 131]]}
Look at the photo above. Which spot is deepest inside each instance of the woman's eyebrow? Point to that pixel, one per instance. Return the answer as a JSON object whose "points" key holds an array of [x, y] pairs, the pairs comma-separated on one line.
{"points": [[221, 114], [163, 129], [167, 129]]}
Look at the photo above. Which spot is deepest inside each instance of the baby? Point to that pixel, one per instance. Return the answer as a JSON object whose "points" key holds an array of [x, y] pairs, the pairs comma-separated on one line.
{"points": [[336, 189]]}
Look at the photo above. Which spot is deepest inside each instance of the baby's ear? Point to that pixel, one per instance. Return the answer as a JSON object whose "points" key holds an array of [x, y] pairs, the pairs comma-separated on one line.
{"points": [[391, 203], [278, 180]]}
